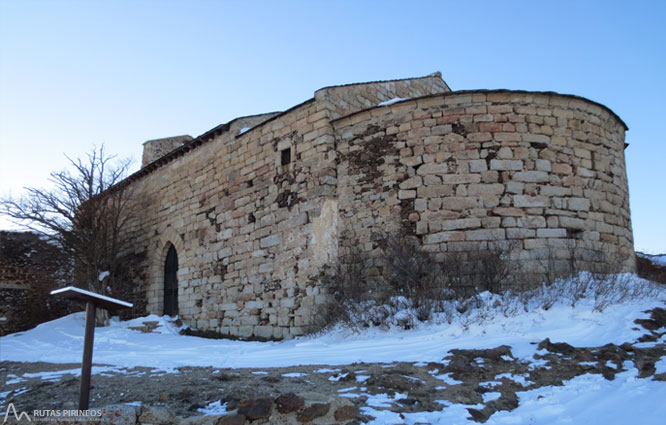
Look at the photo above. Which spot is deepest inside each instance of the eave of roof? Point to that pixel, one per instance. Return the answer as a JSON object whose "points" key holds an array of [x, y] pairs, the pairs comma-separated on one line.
{"points": [[434, 74], [487, 91], [222, 128]]}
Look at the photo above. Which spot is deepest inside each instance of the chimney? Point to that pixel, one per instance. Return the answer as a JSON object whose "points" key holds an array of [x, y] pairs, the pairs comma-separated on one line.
{"points": [[156, 149]]}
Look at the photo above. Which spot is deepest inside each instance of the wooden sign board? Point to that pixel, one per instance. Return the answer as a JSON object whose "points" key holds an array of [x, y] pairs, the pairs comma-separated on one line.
{"points": [[102, 301]]}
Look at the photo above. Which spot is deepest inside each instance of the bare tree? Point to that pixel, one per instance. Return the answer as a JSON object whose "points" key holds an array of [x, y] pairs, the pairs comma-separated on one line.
{"points": [[85, 213]]}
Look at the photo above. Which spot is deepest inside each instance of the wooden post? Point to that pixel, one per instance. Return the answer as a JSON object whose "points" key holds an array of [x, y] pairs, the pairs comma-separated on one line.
{"points": [[86, 362], [93, 302]]}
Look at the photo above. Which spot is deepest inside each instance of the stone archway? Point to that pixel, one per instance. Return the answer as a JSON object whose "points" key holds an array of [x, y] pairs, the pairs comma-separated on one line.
{"points": [[168, 239]]}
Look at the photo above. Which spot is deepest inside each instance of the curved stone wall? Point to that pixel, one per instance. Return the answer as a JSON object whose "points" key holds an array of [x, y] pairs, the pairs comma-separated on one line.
{"points": [[542, 173]]}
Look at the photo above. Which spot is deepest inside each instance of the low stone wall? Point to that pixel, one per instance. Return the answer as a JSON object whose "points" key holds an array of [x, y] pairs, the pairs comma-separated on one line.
{"points": [[29, 268], [12, 311]]}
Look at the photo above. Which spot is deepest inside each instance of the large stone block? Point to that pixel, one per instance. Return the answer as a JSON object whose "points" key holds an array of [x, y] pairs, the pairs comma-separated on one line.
{"points": [[478, 165], [579, 204], [270, 241], [432, 169], [462, 223], [530, 201], [485, 189], [506, 164], [531, 176], [443, 237], [485, 235], [412, 182]]}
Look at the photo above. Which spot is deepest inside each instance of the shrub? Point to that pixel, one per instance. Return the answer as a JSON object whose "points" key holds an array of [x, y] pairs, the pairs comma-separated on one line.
{"points": [[404, 284]]}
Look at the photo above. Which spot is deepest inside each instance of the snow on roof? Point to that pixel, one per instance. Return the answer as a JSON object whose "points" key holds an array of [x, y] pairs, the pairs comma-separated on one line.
{"points": [[392, 101]]}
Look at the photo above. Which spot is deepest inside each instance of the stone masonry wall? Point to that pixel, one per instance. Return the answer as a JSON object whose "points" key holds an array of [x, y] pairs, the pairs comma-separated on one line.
{"points": [[30, 268], [465, 170], [251, 234], [240, 223], [255, 215], [355, 97]]}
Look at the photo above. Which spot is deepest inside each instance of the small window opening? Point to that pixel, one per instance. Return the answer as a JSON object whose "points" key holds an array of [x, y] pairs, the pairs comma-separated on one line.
{"points": [[285, 158]]}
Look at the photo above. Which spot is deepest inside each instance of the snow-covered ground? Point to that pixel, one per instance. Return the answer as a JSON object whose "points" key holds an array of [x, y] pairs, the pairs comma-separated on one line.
{"points": [[586, 399]]}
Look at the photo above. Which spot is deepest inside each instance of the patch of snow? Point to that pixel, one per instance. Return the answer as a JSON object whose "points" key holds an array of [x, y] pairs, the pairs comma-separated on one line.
{"points": [[243, 130], [362, 378], [539, 363], [412, 378], [344, 390], [95, 370], [327, 370], [133, 403], [448, 380], [660, 366], [14, 379], [586, 399], [383, 400], [519, 379], [339, 376], [294, 375], [491, 396], [591, 399], [392, 101], [20, 391], [214, 408], [489, 384], [350, 395], [260, 372]]}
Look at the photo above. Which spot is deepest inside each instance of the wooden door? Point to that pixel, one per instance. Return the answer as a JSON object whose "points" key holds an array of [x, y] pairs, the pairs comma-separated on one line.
{"points": [[171, 282]]}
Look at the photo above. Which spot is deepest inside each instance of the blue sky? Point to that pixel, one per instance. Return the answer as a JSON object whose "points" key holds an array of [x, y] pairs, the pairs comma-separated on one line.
{"points": [[78, 73]]}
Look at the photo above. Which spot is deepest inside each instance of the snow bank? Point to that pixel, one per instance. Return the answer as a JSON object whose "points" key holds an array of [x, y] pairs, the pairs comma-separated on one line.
{"points": [[61, 341]]}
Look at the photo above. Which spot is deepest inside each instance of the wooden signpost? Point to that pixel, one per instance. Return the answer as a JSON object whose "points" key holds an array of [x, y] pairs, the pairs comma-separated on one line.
{"points": [[93, 301]]}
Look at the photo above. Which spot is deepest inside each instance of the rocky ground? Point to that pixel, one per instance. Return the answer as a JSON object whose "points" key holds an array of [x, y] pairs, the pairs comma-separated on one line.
{"points": [[325, 394]]}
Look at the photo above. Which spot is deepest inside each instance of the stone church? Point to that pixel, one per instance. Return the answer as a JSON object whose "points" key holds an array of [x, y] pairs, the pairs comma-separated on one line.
{"points": [[241, 220]]}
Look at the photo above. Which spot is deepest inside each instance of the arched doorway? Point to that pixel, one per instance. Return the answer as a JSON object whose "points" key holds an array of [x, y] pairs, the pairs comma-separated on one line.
{"points": [[171, 282]]}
